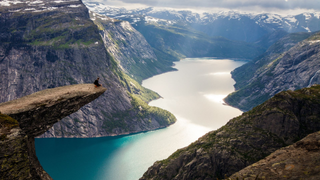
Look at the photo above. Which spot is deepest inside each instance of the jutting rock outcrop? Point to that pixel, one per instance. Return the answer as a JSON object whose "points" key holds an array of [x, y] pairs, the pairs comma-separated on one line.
{"points": [[281, 121], [33, 115]]}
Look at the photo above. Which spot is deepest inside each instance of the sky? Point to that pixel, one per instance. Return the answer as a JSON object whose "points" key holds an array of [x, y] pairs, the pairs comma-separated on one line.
{"points": [[272, 6]]}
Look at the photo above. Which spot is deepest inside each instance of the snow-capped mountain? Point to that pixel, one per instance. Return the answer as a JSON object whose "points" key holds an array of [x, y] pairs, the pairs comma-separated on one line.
{"points": [[232, 25]]}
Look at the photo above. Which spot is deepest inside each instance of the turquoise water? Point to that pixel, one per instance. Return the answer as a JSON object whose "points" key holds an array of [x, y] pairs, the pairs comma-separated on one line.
{"points": [[193, 94]]}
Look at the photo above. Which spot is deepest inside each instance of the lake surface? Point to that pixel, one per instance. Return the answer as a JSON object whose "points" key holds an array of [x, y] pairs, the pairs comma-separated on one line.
{"points": [[193, 94]]}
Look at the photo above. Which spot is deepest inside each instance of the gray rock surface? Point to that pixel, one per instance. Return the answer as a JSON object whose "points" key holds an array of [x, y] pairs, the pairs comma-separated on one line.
{"points": [[294, 69], [34, 115], [129, 48], [298, 161]]}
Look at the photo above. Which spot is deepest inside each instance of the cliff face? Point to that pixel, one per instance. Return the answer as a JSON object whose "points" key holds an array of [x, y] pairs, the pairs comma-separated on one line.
{"points": [[47, 44], [34, 115], [129, 48], [280, 70], [284, 119]]}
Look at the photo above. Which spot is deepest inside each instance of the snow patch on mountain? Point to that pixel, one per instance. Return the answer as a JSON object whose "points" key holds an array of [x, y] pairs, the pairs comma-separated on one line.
{"points": [[267, 21], [9, 2]]}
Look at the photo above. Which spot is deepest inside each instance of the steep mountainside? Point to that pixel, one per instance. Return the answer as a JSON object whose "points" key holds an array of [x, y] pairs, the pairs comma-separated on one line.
{"points": [[45, 44], [279, 70], [243, 74], [282, 120], [130, 48]]}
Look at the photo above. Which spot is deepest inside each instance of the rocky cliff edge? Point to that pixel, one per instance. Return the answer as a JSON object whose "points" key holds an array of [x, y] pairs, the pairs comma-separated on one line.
{"points": [[31, 116]]}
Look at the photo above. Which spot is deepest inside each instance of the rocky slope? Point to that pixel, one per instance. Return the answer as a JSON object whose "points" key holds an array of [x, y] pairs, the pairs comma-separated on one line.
{"points": [[129, 48], [297, 161], [34, 115], [284, 119], [47, 44], [280, 69]]}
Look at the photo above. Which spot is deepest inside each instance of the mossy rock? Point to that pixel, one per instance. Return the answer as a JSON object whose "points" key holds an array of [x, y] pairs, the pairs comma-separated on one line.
{"points": [[8, 122]]}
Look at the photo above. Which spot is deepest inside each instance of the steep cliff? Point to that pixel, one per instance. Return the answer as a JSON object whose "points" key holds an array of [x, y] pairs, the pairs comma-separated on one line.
{"points": [[34, 115], [280, 69], [47, 44], [297, 161], [284, 119], [129, 48]]}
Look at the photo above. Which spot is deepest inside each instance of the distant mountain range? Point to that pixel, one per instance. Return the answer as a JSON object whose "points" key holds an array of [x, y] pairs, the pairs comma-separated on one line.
{"points": [[176, 39], [231, 25]]}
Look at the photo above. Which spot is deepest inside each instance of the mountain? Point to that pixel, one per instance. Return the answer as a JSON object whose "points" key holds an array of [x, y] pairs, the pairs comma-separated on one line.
{"points": [[179, 41], [174, 40], [47, 44], [288, 64], [231, 25], [281, 121], [129, 48]]}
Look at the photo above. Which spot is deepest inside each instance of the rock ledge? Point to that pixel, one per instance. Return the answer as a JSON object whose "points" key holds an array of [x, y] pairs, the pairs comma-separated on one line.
{"points": [[35, 114]]}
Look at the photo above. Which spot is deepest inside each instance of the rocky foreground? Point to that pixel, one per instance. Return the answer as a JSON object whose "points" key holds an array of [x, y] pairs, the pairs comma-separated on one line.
{"points": [[33, 115], [281, 121], [298, 161]]}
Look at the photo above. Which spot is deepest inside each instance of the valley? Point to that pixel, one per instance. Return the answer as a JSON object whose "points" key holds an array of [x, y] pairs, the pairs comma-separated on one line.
{"points": [[169, 90], [102, 158]]}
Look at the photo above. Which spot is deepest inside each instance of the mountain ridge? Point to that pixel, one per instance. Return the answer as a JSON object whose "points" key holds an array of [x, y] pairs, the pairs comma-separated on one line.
{"points": [[292, 68]]}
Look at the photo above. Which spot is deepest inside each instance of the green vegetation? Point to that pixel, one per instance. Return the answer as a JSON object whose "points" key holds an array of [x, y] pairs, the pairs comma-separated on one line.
{"points": [[58, 30], [6, 124], [315, 37], [140, 111], [132, 86]]}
